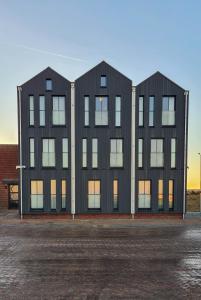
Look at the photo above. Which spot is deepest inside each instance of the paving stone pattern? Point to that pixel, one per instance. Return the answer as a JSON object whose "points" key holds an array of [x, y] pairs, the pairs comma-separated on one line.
{"points": [[100, 260]]}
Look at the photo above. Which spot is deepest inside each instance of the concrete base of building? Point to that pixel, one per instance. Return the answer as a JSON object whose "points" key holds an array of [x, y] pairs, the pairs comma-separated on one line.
{"points": [[138, 215]]}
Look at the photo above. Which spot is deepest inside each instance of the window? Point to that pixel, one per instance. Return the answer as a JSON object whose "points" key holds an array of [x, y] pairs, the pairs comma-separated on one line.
{"points": [[58, 113], [168, 111], [144, 194], [103, 81], [84, 153], [48, 155], [157, 153], [171, 194], [141, 111], [94, 153], [101, 113], [94, 194], [173, 153], [32, 153], [48, 85], [63, 194], [151, 111], [31, 110], [160, 194], [65, 152], [53, 193], [116, 153], [36, 194], [140, 153], [42, 110], [86, 111], [118, 111], [115, 194]]}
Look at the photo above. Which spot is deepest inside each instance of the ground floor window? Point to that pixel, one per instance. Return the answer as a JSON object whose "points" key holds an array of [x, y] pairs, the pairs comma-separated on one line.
{"points": [[115, 194], [160, 194], [53, 193], [63, 194], [144, 194], [36, 194], [171, 194], [94, 194]]}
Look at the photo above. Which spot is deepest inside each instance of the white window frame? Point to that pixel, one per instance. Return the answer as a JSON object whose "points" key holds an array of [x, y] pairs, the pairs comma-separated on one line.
{"points": [[157, 156], [31, 111], [118, 111], [101, 116], [48, 157], [86, 110], [42, 110], [65, 152], [37, 198], [151, 110], [94, 198], [144, 199], [116, 156], [32, 152], [94, 153], [84, 153], [173, 153], [58, 110], [168, 115], [141, 111], [140, 152]]}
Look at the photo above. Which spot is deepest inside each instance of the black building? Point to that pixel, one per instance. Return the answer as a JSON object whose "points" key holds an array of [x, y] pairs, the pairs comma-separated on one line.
{"points": [[102, 146]]}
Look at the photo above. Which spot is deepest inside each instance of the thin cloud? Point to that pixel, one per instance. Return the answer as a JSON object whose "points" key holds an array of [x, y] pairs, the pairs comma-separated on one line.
{"points": [[48, 52]]}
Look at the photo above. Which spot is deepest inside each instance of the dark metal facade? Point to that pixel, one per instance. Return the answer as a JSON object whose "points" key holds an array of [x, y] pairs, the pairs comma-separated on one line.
{"points": [[89, 85], [37, 87], [158, 86]]}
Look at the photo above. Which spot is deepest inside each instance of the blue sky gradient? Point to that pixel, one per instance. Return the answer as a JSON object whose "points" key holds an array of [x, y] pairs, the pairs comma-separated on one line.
{"points": [[136, 37]]}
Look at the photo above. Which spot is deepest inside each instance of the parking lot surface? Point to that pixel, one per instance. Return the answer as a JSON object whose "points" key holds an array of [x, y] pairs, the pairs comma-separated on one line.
{"points": [[103, 259]]}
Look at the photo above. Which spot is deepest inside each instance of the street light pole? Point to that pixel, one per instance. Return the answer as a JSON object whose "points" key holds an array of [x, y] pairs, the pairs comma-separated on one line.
{"points": [[200, 180]]}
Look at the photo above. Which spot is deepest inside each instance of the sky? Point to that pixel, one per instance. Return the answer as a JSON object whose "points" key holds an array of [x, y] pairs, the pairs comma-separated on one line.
{"points": [[136, 37]]}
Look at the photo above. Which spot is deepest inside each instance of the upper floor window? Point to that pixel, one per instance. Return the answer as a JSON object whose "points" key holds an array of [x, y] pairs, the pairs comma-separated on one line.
{"points": [[151, 111], [157, 153], [168, 111], [144, 194], [48, 85], [118, 111], [31, 110], [31, 153], [173, 153], [58, 112], [84, 153], [103, 81], [141, 111], [48, 155], [94, 153], [36, 194], [86, 111], [101, 112], [140, 153], [116, 153], [42, 110], [65, 152]]}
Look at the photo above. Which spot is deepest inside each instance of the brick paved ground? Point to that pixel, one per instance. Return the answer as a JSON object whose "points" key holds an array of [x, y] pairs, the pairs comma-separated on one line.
{"points": [[120, 259]]}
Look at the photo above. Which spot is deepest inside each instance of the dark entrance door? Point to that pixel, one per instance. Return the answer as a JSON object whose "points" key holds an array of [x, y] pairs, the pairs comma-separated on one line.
{"points": [[13, 196]]}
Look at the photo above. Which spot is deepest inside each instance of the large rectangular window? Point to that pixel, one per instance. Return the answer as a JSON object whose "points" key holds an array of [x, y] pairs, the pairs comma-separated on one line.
{"points": [[94, 194], [53, 193], [63, 194], [160, 194], [32, 152], [141, 111], [36, 194], [84, 153], [116, 153], [171, 194], [118, 111], [58, 112], [65, 152], [140, 153], [144, 194], [94, 153], [157, 155], [101, 111], [42, 110], [48, 155], [173, 153], [115, 194], [168, 111], [86, 111], [151, 111], [31, 110]]}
